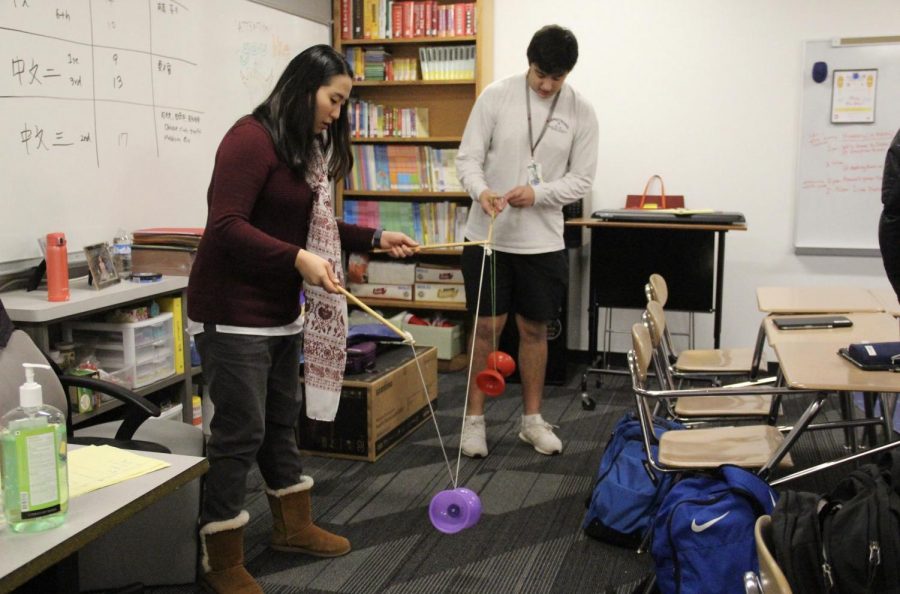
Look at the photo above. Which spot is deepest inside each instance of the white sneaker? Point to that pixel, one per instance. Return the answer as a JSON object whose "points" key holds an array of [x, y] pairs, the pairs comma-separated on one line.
{"points": [[539, 433], [473, 440]]}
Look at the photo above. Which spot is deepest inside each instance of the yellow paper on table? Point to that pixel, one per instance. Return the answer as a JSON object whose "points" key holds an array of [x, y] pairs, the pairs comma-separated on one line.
{"points": [[95, 467]]}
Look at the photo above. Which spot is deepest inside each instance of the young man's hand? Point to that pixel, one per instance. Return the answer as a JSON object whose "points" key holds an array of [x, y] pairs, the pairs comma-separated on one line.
{"points": [[491, 202], [520, 197]]}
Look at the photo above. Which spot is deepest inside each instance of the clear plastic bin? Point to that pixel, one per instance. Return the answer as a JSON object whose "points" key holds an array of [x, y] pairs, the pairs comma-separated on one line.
{"points": [[134, 354]]}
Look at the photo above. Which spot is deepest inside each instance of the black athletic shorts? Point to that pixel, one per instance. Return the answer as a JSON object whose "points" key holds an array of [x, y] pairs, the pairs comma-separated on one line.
{"points": [[532, 285]]}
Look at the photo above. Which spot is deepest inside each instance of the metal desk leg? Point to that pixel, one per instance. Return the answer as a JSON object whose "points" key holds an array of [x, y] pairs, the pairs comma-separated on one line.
{"points": [[805, 419], [758, 351]]}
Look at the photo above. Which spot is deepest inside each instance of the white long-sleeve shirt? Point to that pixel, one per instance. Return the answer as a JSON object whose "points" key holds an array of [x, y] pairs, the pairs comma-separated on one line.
{"points": [[494, 154]]}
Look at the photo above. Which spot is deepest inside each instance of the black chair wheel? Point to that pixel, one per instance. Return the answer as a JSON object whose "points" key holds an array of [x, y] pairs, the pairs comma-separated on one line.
{"points": [[587, 403]]}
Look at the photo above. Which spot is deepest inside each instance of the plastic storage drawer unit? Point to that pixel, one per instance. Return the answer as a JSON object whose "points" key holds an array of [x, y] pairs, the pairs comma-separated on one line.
{"points": [[134, 354]]}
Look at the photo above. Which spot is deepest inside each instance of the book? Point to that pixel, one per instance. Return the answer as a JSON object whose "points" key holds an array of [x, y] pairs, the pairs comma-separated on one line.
{"points": [[164, 259], [173, 306], [170, 236]]}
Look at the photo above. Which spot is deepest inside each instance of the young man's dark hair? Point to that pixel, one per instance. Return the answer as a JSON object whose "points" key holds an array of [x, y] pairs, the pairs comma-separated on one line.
{"points": [[553, 49]]}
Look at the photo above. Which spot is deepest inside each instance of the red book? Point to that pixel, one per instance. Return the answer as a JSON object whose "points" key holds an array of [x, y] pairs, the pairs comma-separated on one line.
{"points": [[346, 26], [419, 19], [470, 18], [397, 20], [429, 11], [459, 19], [408, 18]]}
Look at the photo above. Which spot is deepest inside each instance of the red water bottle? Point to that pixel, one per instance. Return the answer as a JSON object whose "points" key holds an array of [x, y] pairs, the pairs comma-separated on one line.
{"points": [[57, 267]]}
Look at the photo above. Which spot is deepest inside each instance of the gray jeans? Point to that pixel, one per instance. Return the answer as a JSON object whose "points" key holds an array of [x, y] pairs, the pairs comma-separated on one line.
{"points": [[254, 384]]}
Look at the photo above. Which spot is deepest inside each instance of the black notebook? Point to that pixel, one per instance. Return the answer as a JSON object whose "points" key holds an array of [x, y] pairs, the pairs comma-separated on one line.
{"points": [[679, 216], [812, 322]]}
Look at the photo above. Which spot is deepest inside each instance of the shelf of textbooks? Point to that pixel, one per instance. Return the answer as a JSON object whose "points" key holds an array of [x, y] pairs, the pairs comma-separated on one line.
{"points": [[418, 67]]}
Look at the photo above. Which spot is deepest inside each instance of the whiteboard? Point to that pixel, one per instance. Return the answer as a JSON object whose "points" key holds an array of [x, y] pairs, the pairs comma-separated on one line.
{"points": [[113, 110], [840, 166]]}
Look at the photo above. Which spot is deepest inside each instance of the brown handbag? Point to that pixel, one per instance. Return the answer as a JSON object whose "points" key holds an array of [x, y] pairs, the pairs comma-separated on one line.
{"points": [[649, 201]]}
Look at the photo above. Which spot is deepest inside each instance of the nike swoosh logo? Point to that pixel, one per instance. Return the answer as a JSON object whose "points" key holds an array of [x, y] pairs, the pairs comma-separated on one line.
{"points": [[701, 527]]}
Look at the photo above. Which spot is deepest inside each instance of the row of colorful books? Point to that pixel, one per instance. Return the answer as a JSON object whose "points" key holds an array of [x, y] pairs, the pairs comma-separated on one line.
{"points": [[450, 62], [396, 19], [402, 168], [374, 120], [376, 63], [426, 222]]}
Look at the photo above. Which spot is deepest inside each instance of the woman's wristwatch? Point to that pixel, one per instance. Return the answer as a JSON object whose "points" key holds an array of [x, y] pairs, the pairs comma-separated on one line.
{"points": [[376, 239]]}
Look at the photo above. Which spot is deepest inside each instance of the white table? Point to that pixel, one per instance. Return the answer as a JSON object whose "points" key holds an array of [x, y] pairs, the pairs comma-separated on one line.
{"points": [[23, 556]]}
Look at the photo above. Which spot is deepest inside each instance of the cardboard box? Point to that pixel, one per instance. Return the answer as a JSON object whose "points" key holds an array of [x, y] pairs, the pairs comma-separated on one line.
{"points": [[449, 341], [377, 409], [382, 272], [433, 273], [399, 292], [439, 292]]}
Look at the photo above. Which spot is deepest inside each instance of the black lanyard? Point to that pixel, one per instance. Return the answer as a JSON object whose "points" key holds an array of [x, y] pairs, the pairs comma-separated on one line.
{"points": [[531, 143]]}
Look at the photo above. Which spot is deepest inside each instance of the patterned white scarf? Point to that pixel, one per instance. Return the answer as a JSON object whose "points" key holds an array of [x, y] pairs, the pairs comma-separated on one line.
{"points": [[325, 325]]}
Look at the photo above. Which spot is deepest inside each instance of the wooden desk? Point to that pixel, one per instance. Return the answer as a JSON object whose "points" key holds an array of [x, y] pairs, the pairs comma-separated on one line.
{"points": [[888, 300], [812, 300], [623, 256], [23, 556], [816, 365]]}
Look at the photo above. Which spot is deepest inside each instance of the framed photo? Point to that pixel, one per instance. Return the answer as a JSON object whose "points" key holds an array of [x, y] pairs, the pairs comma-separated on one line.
{"points": [[853, 96], [100, 262]]}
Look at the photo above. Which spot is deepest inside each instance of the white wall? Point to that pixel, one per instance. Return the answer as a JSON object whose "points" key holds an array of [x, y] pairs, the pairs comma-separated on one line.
{"points": [[707, 94]]}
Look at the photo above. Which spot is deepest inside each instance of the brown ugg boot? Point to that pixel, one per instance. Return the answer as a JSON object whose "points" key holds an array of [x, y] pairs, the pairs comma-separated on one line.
{"points": [[223, 557], [294, 531]]}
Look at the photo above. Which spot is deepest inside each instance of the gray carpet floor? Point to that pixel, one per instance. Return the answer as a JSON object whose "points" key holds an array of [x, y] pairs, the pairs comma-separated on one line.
{"points": [[529, 538]]}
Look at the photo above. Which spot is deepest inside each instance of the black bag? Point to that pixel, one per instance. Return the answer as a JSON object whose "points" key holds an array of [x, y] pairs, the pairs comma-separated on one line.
{"points": [[861, 533], [848, 541], [797, 540]]}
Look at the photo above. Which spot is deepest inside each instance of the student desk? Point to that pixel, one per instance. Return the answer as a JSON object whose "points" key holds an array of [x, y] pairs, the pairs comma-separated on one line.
{"points": [[691, 257], [888, 300], [23, 556], [814, 364], [813, 300], [806, 301]]}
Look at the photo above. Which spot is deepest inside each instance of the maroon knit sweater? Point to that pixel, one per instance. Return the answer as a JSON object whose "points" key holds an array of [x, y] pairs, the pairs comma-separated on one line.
{"points": [[258, 219]]}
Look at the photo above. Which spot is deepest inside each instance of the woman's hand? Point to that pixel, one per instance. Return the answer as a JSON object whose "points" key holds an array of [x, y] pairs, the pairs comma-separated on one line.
{"points": [[399, 245], [316, 271]]}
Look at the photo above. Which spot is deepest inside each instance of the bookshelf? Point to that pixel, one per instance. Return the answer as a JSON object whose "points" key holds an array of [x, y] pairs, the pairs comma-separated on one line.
{"points": [[457, 68]]}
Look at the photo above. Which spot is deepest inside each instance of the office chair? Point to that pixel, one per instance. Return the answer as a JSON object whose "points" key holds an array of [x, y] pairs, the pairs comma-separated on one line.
{"points": [[770, 579], [763, 407], [158, 546], [748, 446]]}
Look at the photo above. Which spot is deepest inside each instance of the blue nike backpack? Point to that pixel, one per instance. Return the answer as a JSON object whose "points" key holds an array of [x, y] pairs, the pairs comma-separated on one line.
{"points": [[703, 532], [625, 498]]}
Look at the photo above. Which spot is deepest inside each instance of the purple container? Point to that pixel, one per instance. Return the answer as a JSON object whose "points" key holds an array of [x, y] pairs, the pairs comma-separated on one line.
{"points": [[454, 510]]}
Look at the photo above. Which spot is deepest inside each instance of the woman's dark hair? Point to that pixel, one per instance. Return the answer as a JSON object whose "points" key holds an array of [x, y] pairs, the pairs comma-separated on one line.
{"points": [[289, 113], [553, 49]]}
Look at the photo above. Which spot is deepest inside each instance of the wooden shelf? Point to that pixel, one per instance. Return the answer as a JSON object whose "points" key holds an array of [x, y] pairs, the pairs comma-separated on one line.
{"points": [[399, 140], [398, 304], [411, 40], [375, 195], [412, 83]]}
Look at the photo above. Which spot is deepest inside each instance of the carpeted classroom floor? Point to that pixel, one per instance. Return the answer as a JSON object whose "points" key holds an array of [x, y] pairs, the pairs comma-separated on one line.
{"points": [[529, 538]]}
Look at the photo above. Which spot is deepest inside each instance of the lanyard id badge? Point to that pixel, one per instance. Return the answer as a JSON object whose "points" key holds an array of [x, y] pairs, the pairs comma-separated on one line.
{"points": [[535, 178], [533, 170]]}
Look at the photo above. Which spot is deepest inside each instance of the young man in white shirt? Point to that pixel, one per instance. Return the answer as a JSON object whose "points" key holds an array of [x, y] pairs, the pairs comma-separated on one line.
{"points": [[529, 148]]}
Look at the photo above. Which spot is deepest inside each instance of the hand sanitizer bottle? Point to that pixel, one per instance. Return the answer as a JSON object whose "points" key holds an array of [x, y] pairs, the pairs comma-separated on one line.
{"points": [[35, 474]]}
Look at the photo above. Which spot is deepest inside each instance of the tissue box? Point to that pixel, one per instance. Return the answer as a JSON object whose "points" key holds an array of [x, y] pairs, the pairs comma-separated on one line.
{"points": [[391, 273], [440, 292], [431, 273], [380, 291]]}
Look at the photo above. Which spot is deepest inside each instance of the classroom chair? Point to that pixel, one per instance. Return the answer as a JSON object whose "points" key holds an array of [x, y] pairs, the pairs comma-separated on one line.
{"points": [[700, 364], [657, 289], [762, 407], [771, 579], [158, 546], [748, 446]]}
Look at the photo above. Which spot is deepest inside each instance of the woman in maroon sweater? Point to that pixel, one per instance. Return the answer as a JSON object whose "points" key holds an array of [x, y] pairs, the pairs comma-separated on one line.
{"points": [[269, 230]]}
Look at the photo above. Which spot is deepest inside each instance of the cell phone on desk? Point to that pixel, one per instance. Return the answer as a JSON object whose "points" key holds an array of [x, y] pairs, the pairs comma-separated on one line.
{"points": [[812, 322]]}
